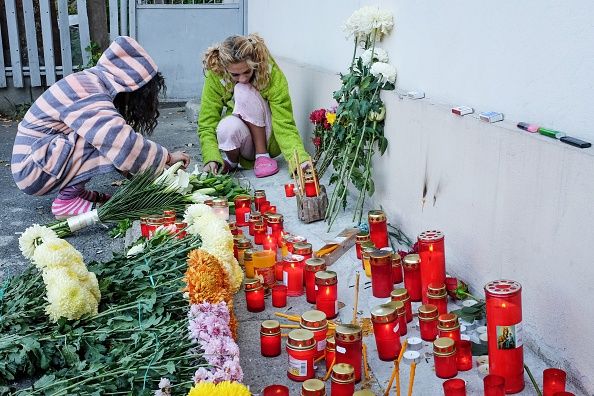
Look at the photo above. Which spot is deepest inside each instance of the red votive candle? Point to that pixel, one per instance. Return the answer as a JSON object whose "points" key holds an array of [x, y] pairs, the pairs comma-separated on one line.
{"points": [[401, 312], [412, 276], [303, 249], [342, 380], [278, 270], [259, 199], [438, 296], [464, 355], [241, 245], [264, 207], [270, 245], [330, 353], [313, 387], [272, 209], [301, 354], [444, 356], [292, 240], [275, 390], [553, 381], [378, 228], [279, 296], [144, 227], [255, 217], [254, 295], [233, 228], [396, 268], [448, 326], [315, 321], [564, 393], [432, 253], [289, 190], [327, 294], [362, 236], [428, 322], [259, 233], [180, 227], [386, 331], [312, 266], [381, 273], [454, 387], [505, 332], [494, 385], [242, 210], [349, 347], [270, 338], [401, 294], [310, 188], [275, 225], [293, 275]]}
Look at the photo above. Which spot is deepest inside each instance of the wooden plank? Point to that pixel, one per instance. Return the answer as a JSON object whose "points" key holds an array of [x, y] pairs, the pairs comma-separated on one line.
{"points": [[2, 65], [114, 25], [123, 17], [32, 49], [48, 43], [64, 27], [132, 18], [83, 31], [13, 42]]}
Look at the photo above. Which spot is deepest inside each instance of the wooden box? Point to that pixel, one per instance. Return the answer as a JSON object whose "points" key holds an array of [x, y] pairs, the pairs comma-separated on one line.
{"points": [[310, 209]]}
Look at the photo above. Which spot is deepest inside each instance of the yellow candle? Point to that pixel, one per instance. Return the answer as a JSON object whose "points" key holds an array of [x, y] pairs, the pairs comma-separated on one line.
{"points": [[263, 262]]}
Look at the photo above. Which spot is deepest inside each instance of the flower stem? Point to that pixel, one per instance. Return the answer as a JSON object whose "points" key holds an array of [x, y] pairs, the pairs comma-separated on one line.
{"points": [[538, 392]]}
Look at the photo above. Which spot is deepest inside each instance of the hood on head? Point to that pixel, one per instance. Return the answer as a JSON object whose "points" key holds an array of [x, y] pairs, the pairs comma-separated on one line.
{"points": [[126, 65]]}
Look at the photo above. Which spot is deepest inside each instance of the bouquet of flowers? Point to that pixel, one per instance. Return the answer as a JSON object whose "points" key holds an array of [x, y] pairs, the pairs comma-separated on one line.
{"points": [[322, 120]]}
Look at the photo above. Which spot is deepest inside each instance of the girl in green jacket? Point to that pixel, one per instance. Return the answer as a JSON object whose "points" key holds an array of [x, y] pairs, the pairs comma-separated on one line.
{"points": [[246, 110]]}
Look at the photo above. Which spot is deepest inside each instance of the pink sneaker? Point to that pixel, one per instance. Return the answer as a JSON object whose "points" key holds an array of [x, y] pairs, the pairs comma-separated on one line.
{"points": [[65, 208], [265, 166]]}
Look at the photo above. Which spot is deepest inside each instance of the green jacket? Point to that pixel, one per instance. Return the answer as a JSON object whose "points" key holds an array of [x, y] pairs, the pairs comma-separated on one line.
{"points": [[217, 97]]}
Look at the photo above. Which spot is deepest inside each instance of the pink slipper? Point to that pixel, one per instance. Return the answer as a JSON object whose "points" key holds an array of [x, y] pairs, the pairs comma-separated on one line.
{"points": [[65, 208], [265, 166]]}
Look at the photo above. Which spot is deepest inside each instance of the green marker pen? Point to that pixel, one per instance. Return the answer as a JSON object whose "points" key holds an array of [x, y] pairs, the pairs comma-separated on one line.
{"points": [[551, 133]]}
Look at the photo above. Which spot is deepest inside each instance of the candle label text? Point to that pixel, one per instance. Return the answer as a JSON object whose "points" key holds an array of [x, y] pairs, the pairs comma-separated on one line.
{"points": [[297, 367]]}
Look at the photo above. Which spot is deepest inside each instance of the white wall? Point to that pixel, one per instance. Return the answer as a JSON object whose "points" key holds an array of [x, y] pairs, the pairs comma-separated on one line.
{"points": [[512, 204]]}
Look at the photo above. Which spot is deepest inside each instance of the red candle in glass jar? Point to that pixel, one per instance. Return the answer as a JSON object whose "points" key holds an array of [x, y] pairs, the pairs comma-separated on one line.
{"points": [[144, 226], [152, 223], [448, 326], [438, 296], [432, 253], [494, 385], [254, 295], [401, 312], [396, 268], [272, 209], [310, 188], [349, 347], [233, 228], [342, 380], [428, 322], [312, 265], [259, 199], [444, 355], [362, 236], [401, 294], [270, 338], [275, 225], [293, 275], [464, 355], [303, 249], [301, 354], [243, 209], [505, 332], [454, 387], [313, 387], [278, 271], [315, 321], [330, 353], [412, 276], [259, 233], [564, 393], [386, 331], [279, 296], [378, 228], [292, 240], [289, 190], [327, 294], [275, 390], [180, 228], [553, 381], [269, 244], [381, 273], [264, 207], [255, 217]]}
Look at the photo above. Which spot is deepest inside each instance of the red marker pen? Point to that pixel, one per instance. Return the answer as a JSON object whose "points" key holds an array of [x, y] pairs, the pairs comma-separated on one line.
{"points": [[528, 127]]}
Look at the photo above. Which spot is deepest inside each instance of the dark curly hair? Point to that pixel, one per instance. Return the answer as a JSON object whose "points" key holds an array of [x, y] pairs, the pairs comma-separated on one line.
{"points": [[140, 108]]}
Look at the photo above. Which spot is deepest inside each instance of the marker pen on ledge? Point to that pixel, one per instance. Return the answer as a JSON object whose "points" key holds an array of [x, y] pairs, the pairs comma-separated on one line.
{"points": [[551, 133], [528, 127]]}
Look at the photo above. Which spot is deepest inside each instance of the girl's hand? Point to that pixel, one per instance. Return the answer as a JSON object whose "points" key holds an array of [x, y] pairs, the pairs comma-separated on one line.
{"points": [[178, 156], [211, 166]]}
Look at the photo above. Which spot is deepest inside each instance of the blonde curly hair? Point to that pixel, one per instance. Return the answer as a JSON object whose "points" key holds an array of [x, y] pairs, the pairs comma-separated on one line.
{"points": [[235, 49]]}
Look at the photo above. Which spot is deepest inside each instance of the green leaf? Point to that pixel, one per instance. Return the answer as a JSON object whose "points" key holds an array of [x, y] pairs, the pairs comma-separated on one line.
{"points": [[44, 381], [383, 145]]}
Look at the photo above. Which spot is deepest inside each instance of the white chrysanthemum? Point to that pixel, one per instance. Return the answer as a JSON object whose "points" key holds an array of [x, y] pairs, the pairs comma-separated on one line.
{"points": [[67, 297], [33, 237], [55, 253], [367, 21], [196, 211], [379, 56], [384, 71], [198, 197], [135, 250]]}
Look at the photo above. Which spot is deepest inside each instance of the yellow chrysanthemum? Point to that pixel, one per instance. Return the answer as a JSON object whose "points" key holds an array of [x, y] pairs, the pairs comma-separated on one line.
{"points": [[330, 117], [67, 297], [225, 388], [55, 253]]}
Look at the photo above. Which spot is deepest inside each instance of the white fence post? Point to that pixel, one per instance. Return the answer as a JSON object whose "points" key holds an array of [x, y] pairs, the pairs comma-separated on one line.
{"points": [[64, 26], [13, 42], [48, 43], [2, 65], [83, 31], [32, 50], [113, 19]]}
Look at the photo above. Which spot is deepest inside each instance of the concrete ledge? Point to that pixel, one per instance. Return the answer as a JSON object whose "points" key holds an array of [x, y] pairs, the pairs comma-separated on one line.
{"points": [[192, 110]]}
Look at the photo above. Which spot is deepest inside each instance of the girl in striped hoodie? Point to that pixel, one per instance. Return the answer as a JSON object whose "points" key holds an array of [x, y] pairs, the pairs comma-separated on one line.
{"points": [[89, 123]]}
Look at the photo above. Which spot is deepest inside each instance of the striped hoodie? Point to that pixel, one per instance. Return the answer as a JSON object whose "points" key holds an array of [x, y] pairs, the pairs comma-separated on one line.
{"points": [[73, 131]]}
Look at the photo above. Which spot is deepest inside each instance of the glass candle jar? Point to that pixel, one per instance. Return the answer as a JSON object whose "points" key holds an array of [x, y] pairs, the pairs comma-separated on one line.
{"points": [[349, 347], [254, 295], [152, 223], [275, 390], [283, 243], [401, 294], [259, 233], [275, 225], [505, 332], [279, 296], [303, 249], [208, 202], [431, 250], [438, 296], [444, 355], [381, 273], [293, 275], [278, 271], [270, 338], [412, 276], [448, 326], [220, 208], [312, 266], [310, 187], [180, 229], [364, 392], [313, 387], [289, 190], [233, 227], [270, 244], [301, 354], [464, 355], [168, 217], [264, 207], [454, 387], [330, 353], [255, 217], [327, 294], [243, 209], [342, 380], [396, 268], [386, 330], [315, 321], [401, 312], [494, 385], [428, 322], [366, 249], [362, 236], [553, 381], [248, 263], [144, 226], [242, 244], [259, 199], [293, 240], [264, 261], [378, 228]]}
